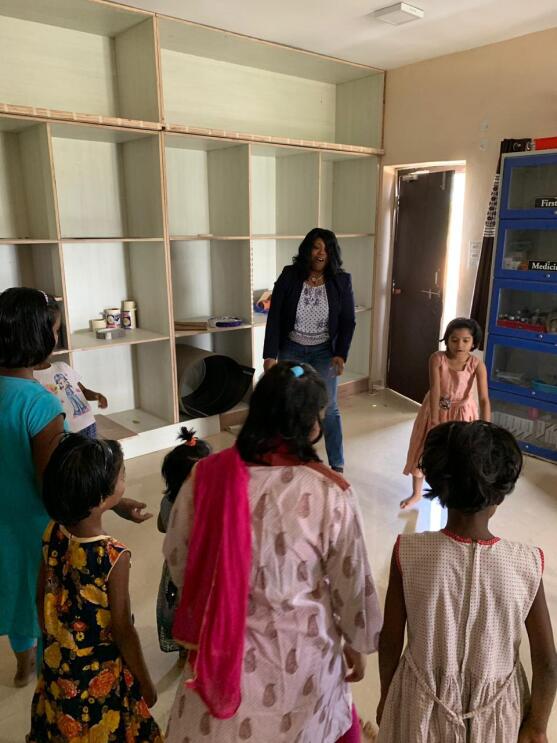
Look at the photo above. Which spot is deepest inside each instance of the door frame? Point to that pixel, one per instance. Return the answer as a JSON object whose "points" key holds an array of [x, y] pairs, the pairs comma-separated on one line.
{"points": [[385, 239]]}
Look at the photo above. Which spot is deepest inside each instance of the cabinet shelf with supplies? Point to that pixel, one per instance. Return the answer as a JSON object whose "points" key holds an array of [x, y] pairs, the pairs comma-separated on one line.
{"points": [[521, 354]]}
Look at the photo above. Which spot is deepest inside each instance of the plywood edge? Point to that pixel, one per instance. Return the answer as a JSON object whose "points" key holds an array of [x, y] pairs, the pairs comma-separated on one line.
{"points": [[120, 6], [265, 139], [208, 236], [50, 114], [27, 241], [158, 69], [108, 240], [168, 259]]}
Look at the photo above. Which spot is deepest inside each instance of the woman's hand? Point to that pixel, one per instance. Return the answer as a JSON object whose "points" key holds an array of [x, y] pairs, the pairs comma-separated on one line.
{"points": [[131, 510], [268, 364], [338, 365], [356, 664]]}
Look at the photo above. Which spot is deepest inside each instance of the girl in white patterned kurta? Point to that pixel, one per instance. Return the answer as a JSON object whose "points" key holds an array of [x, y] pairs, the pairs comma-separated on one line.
{"points": [[312, 607], [466, 596]]}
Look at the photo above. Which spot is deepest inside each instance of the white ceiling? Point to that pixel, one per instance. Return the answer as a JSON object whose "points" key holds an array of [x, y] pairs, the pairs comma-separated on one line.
{"points": [[345, 28]]}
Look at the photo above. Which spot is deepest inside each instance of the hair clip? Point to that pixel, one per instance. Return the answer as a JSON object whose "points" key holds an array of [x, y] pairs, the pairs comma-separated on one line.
{"points": [[297, 371], [45, 295], [191, 442]]}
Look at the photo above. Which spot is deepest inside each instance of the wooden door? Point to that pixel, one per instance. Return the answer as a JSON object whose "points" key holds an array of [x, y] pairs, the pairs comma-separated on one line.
{"points": [[420, 247]]}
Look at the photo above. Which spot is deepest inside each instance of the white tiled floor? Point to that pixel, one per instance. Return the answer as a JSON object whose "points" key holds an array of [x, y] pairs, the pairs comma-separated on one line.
{"points": [[377, 428]]}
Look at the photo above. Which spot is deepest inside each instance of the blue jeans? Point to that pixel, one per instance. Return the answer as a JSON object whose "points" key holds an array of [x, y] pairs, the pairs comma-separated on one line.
{"points": [[320, 357], [90, 431]]}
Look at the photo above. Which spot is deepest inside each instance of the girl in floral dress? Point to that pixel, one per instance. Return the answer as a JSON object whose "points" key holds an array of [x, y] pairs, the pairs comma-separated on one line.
{"points": [[94, 686]]}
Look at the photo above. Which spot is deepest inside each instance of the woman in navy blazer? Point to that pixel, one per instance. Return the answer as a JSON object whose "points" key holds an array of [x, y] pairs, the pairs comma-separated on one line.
{"points": [[312, 320]]}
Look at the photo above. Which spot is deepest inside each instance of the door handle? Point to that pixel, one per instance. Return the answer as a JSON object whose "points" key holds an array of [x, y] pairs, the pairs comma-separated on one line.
{"points": [[430, 293]]}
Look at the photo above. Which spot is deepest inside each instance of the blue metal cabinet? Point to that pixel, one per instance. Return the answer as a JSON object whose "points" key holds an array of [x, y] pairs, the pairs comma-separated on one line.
{"points": [[527, 250], [533, 424], [522, 367], [529, 188], [524, 309], [521, 353]]}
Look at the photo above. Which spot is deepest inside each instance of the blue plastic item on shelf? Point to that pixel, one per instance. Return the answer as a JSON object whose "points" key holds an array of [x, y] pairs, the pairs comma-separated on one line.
{"points": [[539, 386]]}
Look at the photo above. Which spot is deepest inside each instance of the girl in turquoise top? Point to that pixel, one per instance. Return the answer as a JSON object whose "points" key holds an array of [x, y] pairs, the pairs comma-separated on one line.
{"points": [[31, 423]]}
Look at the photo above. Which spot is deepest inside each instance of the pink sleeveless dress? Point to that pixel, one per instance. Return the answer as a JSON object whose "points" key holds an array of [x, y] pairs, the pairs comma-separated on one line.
{"points": [[456, 404]]}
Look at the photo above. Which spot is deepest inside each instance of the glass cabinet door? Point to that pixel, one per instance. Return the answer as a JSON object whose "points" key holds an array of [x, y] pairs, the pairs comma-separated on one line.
{"points": [[524, 310], [529, 187], [534, 428], [527, 250], [522, 367]]}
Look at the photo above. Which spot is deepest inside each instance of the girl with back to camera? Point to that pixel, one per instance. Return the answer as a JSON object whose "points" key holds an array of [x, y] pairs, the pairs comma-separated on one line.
{"points": [[464, 596], [94, 684], [452, 374], [266, 546], [176, 468], [31, 423]]}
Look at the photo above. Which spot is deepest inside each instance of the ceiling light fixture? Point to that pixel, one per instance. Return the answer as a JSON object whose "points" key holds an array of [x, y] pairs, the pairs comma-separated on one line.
{"points": [[398, 14]]}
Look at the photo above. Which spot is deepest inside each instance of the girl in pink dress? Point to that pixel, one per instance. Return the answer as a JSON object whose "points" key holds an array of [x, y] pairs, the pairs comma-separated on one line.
{"points": [[451, 382]]}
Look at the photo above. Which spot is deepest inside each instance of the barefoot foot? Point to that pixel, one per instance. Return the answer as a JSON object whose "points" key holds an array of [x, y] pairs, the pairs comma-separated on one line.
{"points": [[408, 502]]}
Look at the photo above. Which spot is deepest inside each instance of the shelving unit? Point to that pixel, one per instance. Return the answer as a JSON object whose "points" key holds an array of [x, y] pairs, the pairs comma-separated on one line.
{"points": [[522, 345], [230, 84], [108, 182], [80, 60], [148, 158]]}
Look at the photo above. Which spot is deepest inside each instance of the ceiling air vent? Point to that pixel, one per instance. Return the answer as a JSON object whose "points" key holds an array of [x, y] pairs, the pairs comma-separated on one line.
{"points": [[398, 14]]}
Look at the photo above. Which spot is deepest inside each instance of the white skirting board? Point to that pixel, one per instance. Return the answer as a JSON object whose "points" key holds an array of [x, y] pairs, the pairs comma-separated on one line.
{"points": [[166, 437]]}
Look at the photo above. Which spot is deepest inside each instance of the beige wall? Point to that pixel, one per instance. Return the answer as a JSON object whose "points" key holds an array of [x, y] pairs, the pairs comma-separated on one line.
{"points": [[434, 112]]}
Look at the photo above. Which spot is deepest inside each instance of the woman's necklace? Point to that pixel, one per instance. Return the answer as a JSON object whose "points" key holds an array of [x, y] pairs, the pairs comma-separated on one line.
{"points": [[316, 279]]}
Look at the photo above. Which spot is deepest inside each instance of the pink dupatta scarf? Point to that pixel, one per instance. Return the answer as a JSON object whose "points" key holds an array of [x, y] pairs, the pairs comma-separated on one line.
{"points": [[211, 616]]}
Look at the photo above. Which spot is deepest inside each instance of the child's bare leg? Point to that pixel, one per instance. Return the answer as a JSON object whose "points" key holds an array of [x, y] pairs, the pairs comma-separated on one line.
{"points": [[25, 667], [417, 486]]}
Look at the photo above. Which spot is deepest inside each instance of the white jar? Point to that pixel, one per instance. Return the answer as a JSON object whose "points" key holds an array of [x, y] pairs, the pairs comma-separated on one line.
{"points": [[128, 316]]}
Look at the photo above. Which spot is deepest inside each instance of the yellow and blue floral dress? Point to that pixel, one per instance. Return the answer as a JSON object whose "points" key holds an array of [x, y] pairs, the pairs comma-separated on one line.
{"points": [[85, 692]]}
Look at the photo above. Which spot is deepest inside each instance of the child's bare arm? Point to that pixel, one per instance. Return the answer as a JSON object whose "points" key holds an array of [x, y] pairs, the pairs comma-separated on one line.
{"points": [[45, 442], [391, 640], [124, 633], [434, 388], [544, 671], [91, 396], [40, 597], [483, 392]]}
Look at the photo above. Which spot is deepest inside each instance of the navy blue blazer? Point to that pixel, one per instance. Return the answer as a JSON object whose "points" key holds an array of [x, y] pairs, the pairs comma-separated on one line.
{"points": [[284, 303]]}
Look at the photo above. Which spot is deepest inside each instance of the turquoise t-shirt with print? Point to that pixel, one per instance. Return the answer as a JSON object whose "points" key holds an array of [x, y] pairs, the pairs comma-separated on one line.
{"points": [[26, 409]]}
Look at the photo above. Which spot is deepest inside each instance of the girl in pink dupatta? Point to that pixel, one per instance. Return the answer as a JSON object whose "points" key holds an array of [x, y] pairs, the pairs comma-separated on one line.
{"points": [[278, 601]]}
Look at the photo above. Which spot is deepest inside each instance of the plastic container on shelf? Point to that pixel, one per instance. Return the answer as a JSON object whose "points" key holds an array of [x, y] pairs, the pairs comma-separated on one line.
{"points": [[129, 315]]}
